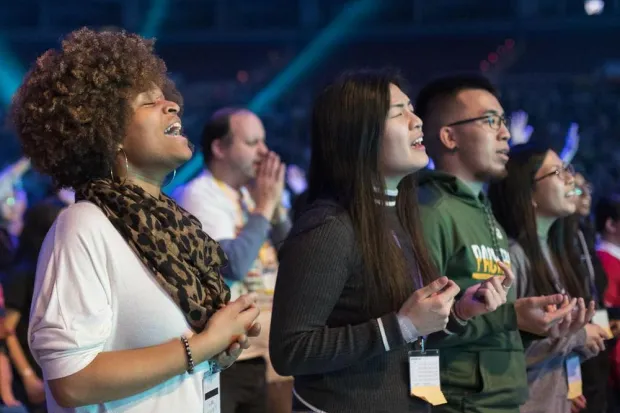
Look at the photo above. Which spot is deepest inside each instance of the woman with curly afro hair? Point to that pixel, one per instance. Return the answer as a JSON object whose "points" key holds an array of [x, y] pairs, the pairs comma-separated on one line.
{"points": [[130, 312]]}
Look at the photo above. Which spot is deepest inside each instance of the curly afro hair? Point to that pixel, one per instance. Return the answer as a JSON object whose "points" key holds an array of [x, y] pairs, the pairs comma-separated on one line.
{"points": [[74, 106]]}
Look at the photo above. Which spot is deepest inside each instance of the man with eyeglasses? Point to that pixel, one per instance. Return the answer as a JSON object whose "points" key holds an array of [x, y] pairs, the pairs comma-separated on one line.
{"points": [[466, 134]]}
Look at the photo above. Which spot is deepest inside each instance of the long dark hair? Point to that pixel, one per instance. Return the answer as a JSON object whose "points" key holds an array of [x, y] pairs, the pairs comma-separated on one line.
{"points": [[348, 123], [512, 205], [567, 229]]}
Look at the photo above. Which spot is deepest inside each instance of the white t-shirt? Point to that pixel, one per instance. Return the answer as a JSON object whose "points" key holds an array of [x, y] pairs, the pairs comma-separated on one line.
{"points": [[93, 294], [219, 209], [215, 204]]}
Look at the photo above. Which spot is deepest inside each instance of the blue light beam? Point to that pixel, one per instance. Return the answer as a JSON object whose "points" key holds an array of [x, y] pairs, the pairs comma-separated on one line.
{"points": [[155, 17], [11, 73], [326, 42]]}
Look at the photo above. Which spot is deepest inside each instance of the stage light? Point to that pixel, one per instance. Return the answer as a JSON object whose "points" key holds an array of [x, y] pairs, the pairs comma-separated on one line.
{"points": [[243, 76], [593, 7]]}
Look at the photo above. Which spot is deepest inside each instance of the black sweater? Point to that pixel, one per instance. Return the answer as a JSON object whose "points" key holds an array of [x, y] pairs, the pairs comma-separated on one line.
{"points": [[320, 331]]}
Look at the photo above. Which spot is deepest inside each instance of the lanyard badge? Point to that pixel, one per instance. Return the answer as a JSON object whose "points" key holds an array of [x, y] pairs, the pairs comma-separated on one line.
{"points": [[424, 376], [211, 390], [601, 318], [573, 373]]}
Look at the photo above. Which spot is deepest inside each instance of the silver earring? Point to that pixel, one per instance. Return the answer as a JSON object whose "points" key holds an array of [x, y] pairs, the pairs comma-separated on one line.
{"points": [[174, 174], [126, 167]]}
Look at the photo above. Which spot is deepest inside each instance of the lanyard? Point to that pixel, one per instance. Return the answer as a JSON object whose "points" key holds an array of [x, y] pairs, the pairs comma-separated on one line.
{"points": [[492, 226], [588, 258], [417, 277], [423, 344], [417, 284]]}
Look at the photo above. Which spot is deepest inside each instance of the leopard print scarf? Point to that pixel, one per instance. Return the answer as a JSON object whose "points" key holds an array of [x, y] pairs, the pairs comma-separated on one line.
{"points": [[185, 261]]}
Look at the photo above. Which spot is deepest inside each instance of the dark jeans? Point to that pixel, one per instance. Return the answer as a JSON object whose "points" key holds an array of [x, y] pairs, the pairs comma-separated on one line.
{"points": [[244, 387], [595, 374]]}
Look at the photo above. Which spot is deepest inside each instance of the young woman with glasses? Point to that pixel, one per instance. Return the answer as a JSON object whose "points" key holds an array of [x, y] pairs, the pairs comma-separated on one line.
{"points": [[538, 191]]}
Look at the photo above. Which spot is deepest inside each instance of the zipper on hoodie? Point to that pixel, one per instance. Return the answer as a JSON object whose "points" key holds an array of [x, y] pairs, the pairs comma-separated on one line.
{"points": [[493, 228]]}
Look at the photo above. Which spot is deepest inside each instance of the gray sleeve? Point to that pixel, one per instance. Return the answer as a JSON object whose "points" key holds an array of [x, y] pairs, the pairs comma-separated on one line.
{"points": [[520, 267], [584, 352], [540, 350], [280, 231], [243, 250]]}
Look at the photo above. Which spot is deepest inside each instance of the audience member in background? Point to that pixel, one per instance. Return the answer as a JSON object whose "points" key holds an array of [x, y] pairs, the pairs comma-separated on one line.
{"points": [[607, 220], [7, 245], [466, 133], [11, 223], [129, 312], [8, 402], [539, 190], [595, 371], [19, 287], [13, 203], [238, 200], [584, 226], [356, 287]]}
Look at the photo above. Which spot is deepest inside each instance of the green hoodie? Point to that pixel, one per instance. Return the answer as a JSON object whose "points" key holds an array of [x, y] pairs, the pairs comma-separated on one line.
{"points": [[483, 368]]}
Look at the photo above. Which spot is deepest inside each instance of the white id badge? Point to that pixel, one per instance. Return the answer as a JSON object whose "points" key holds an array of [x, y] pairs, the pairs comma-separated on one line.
{"points": [[573, 374], [424, 377], [211, 392], [601, 318]]}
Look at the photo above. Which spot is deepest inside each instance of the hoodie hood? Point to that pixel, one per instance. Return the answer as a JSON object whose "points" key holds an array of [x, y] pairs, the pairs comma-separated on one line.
{"points": [[433, 183]]}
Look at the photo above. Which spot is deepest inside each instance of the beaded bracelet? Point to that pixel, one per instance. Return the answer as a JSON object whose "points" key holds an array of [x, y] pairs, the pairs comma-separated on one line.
{"points": [[188, 353], [457, 316]]}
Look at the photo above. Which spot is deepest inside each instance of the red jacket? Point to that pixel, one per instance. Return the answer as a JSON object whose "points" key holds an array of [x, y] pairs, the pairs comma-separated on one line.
{"points": [[611, 264], [609, 255]]}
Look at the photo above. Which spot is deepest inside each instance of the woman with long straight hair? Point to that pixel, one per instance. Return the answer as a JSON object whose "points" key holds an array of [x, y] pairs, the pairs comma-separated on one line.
{"points": [[538, 191], [356, 287]]}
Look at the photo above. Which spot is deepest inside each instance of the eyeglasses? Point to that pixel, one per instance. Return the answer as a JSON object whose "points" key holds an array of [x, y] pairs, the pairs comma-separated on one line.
{"points": [[495, 121], [586, 189], [563, 172]]}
